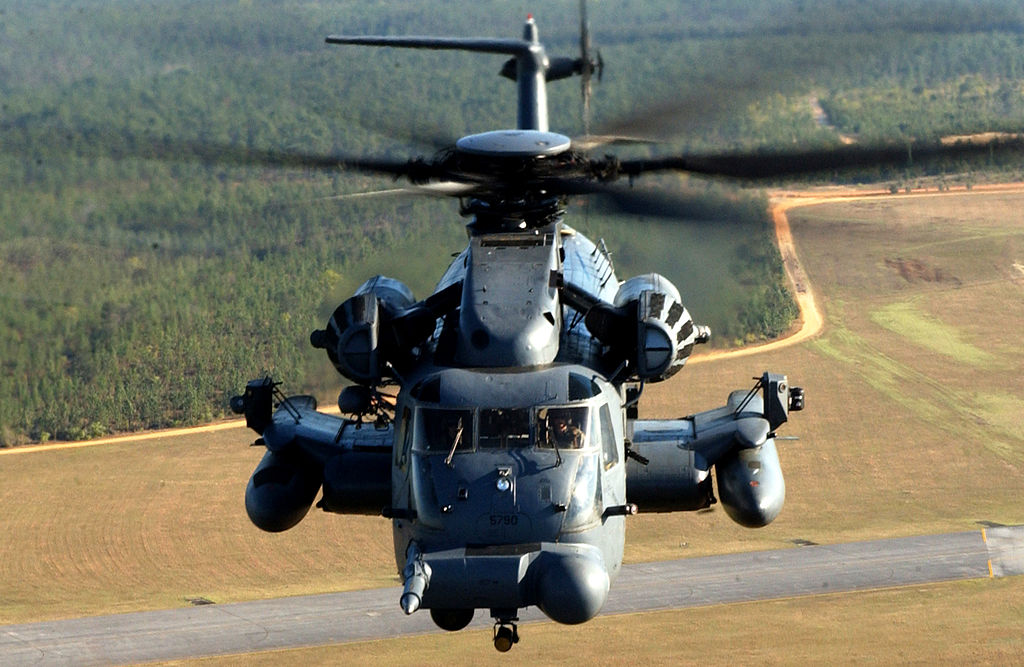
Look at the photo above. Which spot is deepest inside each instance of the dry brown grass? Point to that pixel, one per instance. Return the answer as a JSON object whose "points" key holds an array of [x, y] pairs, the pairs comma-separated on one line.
{"points": [[148, 524], [899, 438]]}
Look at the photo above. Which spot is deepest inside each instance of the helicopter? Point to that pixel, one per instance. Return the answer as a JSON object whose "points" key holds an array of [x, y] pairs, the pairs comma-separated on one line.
{"points": [[512, 454]]}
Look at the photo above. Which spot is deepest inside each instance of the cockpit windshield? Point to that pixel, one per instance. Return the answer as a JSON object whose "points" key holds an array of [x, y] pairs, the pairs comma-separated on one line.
{"points": [[447, 430], [457, 430], [504, 429], [562, 428]]}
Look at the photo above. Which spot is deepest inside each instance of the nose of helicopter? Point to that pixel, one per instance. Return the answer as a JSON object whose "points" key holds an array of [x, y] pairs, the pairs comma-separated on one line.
{"points": [[572, 587]]}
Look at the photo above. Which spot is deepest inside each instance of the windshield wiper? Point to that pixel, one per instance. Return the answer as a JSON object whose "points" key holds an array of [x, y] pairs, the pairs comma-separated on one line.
{"points": [[553, 439], [455, 444]]}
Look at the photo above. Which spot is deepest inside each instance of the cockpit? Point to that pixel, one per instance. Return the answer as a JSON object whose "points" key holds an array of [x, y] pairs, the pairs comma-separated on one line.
{"points": [[477, 471], [461, 429]]}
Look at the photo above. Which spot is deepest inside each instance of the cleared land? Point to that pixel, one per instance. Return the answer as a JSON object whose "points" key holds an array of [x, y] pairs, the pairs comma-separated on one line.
{"points": [[915, 424]]}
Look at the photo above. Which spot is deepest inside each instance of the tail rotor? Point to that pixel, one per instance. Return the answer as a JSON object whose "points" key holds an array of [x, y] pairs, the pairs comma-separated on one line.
{"points": [[590, 62]]}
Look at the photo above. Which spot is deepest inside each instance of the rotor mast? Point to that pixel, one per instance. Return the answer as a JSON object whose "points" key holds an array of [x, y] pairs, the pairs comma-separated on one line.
{"points": [[531, 71], [530, 58]]}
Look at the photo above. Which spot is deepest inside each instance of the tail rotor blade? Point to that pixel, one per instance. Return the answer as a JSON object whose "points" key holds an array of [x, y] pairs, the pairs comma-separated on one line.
{"points": [[586, 66]]}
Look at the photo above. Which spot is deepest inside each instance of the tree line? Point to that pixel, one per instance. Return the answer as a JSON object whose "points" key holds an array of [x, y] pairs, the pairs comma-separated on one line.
{"points": [[148, 267]]}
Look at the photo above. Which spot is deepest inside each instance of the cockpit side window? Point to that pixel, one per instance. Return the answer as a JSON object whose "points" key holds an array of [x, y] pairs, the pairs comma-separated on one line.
{"points": [[404, 436], [504, 429], [564, 428], [446, 430], [609, 448]]}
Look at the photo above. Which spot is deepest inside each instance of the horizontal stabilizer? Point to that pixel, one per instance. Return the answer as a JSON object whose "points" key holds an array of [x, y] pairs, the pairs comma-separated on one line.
{"points": [[513, 47]]}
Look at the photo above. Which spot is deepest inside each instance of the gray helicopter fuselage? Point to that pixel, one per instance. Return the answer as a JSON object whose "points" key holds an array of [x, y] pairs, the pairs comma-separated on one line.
{"points": [[487, 489]]}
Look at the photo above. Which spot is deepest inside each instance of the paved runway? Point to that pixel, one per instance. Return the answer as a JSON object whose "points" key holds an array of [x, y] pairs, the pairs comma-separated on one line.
{"points": [[345, 617]]}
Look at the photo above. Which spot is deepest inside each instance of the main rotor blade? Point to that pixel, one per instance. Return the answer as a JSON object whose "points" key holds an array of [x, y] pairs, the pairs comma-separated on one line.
{"points": [[92, 142], [256, 157], [782, 164], [589, 142], [439, 189], [676, 202]]}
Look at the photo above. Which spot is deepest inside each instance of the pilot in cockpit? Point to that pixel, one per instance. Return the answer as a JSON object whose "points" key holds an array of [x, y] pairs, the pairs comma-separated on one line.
{"points": [[565, 433]]}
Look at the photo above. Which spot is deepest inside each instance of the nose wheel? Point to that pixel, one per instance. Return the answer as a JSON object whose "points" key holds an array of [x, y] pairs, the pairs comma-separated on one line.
{"points": [[505, 635]]}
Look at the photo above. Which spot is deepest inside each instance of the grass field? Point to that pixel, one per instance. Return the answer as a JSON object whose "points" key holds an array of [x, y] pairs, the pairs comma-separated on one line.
{"points": [[914, 424]]}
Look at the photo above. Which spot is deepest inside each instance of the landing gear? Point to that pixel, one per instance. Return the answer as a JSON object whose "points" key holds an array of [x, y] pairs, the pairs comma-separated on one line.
{"points": [[505, 635]]}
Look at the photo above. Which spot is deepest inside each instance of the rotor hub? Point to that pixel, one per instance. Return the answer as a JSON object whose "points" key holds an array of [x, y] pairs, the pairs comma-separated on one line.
{"points": [[514, 144], [514, 170]]}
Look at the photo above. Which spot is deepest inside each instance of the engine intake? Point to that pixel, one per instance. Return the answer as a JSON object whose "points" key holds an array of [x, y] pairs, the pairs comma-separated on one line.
{"points": [[380, 325], [646, 325], [353, 337]]}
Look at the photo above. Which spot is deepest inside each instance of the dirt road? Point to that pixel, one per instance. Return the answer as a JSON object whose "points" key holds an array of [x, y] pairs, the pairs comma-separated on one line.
{"points": [[782, 201], [811, 320], [147, 435]]}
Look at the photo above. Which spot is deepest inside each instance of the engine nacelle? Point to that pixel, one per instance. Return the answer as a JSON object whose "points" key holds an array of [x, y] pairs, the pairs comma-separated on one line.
{"points": [[750, 485], [357, 336], [281, 491], [665, 333]]}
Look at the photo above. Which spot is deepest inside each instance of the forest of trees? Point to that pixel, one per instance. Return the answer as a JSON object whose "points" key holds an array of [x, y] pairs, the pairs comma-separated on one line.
{"points": [[142, 281]]}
